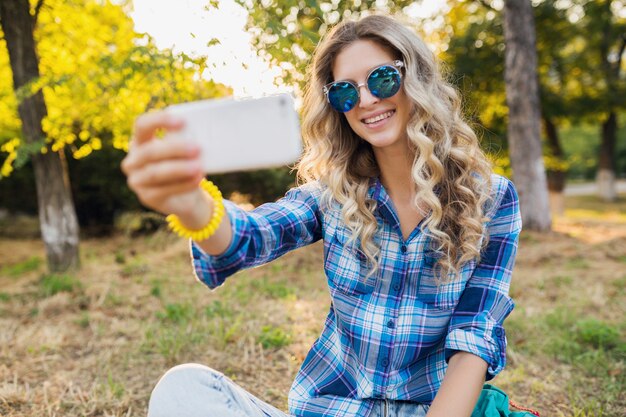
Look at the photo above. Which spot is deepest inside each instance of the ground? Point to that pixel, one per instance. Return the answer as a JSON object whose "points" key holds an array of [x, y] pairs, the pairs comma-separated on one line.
{"points": [[94, 343]]}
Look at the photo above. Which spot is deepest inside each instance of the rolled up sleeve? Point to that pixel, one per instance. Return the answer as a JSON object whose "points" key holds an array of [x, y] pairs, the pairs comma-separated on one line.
{"points": [[262, 235], [476, 325]]}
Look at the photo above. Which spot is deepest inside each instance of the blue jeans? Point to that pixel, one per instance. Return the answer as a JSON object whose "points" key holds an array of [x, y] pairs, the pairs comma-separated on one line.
{"points": [[193, 390]]}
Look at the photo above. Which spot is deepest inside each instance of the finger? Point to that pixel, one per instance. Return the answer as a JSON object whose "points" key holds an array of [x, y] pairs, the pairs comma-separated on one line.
{"points": [[164, 174], [147, 124], [162, 193], [156, 151]]}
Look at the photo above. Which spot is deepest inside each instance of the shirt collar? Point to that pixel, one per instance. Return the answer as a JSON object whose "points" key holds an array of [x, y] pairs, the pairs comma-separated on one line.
{"points": [[384, 205]]}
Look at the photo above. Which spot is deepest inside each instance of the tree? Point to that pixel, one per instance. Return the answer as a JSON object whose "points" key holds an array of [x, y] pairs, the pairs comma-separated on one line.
{"points": [[522, 92], [287, 31], [476, 53], [59, 225], [606, 36], [95, 76], [559, 90]]}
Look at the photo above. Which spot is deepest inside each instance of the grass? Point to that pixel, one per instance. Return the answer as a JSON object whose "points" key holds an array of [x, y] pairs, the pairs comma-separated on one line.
{"points": [[591, 349], [155, 290], [114, 387], [31, 264], [107, 333], [54, 283], [84, 320], [279, 290], [176, 313], [599, 335], [218, 309], [273, 337]]}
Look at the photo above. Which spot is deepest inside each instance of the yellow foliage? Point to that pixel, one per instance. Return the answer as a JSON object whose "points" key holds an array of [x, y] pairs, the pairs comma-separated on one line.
{"points": [[501, 164], [10, 124], [83, 135], [553, 163], [10, 146], [82, 152], [7, 165], [97, 76]]}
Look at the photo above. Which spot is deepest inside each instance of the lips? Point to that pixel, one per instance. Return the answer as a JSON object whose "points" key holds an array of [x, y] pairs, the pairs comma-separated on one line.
{"points": [[378, 117]]}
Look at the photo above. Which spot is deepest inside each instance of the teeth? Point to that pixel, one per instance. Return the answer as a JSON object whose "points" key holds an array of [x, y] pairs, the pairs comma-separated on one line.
{"points": [[379, 117]]}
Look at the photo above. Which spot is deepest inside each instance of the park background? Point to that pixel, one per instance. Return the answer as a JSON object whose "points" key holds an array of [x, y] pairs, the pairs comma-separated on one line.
{"points": [[90, 336]]}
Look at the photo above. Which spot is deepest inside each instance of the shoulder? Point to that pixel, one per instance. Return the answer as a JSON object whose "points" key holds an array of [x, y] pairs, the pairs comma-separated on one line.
{"points": [[503, 208], [502, 192], [309, 192]]}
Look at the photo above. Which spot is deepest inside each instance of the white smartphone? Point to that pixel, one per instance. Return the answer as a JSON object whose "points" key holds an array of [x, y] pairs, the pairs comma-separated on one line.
{"points": [[241, 135]]}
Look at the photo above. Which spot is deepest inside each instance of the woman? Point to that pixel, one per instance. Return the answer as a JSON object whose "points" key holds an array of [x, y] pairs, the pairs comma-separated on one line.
{"points": [[419, 237]]}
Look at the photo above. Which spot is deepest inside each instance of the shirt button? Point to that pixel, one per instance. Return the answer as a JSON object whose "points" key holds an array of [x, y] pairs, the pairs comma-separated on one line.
{"points": [[385, 362], [391, 324], [498, 331], [396, 287], [403, 248]]}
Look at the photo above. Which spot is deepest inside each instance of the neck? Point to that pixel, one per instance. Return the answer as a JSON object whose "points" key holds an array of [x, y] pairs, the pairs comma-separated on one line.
{"points": [[395, 171]]}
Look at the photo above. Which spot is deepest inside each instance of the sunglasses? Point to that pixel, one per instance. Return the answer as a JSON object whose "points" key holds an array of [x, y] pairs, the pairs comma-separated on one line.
{"points": [[382, 82]]}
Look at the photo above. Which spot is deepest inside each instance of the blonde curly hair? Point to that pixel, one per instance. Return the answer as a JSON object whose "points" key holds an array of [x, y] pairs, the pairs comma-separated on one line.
{"points": [[451, 173]]}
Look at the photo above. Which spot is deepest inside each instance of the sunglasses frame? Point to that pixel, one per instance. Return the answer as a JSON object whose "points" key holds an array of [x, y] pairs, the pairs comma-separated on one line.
{"points": [[397, 64]]}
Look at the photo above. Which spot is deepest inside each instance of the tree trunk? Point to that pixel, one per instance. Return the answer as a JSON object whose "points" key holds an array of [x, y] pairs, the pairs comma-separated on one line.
{"points": [[59, 225], [523, 130], [606, 165], [556, 177], [611, 68]]}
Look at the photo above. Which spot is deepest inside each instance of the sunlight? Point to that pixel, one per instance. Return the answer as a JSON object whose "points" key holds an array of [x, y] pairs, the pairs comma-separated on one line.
{"points": [[425, 9], [185, 26]]}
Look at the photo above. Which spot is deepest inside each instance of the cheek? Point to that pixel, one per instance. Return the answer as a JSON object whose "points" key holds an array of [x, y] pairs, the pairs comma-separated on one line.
{"points": [[353, 121], [407, 109], [404, 102]]}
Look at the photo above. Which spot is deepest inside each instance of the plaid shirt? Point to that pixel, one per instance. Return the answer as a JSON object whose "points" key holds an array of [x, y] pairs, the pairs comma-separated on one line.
{"points": [[389, 336]]}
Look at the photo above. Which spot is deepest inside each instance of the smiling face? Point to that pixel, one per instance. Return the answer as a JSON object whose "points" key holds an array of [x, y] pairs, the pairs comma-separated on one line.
{"points": [[381, 122]]}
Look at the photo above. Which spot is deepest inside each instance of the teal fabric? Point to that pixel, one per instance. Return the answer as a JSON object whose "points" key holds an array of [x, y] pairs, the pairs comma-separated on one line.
{"points": [[493, 402]]}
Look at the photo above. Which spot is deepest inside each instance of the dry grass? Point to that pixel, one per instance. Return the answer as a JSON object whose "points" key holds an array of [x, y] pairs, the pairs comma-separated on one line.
{"points": [[94, 344]]}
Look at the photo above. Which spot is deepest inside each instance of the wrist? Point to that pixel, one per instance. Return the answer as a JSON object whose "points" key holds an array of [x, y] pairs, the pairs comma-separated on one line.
{"points": [[199, 212], [189, 227]]}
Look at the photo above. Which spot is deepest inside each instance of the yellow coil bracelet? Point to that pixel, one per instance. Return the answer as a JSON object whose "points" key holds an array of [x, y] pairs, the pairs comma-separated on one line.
{"points": [[207, 231]]}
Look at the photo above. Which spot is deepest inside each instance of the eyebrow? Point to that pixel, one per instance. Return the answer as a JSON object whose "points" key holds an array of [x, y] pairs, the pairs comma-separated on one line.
{"points": [[369, 71]]}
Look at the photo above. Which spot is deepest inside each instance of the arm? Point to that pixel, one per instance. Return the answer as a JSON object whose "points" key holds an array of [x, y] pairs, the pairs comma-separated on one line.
{"points": [[461, 387], [165, 175], [476, 343], [262, 235], [199, 214]]}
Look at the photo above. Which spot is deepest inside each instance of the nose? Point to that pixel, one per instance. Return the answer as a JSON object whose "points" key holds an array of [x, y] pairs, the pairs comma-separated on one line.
{"points": [[366, 98]]}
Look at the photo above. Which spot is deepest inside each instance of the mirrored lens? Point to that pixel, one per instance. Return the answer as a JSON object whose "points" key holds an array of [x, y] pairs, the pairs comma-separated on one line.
{"points": [[384, 82], [343, 96]]}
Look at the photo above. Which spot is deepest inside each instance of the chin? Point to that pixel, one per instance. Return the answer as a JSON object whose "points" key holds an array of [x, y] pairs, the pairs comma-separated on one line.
{"points": [[383, 140]]}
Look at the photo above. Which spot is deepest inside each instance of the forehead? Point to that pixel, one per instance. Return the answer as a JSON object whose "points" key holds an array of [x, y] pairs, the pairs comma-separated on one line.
{"points": [[356, 60]]}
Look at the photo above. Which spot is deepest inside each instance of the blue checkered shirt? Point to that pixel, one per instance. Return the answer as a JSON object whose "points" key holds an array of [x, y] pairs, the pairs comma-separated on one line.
{"points": [[389, 336]]}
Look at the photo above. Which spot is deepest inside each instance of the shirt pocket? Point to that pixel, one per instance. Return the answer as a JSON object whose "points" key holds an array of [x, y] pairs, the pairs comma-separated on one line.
{"points": [[432, 291], [346, 265]]}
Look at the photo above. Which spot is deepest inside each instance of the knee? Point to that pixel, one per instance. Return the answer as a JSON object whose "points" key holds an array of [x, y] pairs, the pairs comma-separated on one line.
{"points": [[182, 386], [189, 372]]}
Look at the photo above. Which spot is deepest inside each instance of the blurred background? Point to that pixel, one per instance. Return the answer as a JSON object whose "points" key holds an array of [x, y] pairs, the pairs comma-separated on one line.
{"points": [[95, 294]]}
